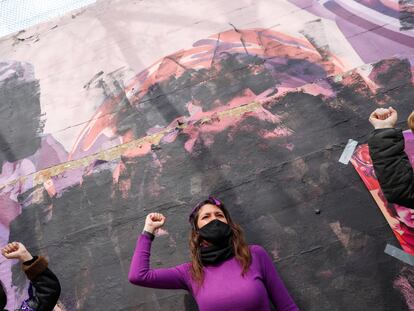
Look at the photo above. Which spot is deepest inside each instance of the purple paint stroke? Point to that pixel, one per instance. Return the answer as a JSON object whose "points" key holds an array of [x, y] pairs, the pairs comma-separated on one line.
{"points": [[213, 42], [369, 26], [409, 145], [380, 7], [101, 143], [369, 40], [313, 7], [294, 73]]}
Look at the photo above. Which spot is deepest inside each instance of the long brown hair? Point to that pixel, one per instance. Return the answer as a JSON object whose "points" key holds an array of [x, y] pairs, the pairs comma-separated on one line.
{"points": [[241, 249], [410, 121]]}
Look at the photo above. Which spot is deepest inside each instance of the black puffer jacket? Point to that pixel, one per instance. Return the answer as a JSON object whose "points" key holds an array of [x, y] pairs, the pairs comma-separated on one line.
{"points": [[392, 166], [45, 284]]}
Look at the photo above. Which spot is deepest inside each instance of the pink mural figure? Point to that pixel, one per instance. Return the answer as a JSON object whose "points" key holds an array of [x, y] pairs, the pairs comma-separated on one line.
{"points": [[279, 63]]}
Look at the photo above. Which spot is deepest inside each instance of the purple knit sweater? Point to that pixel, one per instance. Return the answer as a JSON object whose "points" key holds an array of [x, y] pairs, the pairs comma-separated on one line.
{"points": [[223, 289]]}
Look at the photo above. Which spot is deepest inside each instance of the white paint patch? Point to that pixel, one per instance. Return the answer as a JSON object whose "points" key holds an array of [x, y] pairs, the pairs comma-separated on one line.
{"points": [[348, 151]]}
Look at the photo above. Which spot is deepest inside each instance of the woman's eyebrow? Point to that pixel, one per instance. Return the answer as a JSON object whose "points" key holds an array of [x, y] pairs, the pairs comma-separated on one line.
{"points": [[209, 213]]}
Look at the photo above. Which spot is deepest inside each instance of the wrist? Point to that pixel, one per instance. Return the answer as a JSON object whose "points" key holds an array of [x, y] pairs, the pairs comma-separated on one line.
{"points": [[380, 127], [25, 256], [149, 229]]}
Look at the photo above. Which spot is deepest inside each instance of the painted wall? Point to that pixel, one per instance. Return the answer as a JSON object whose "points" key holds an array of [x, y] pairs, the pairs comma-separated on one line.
{"points": [[128, 107]]}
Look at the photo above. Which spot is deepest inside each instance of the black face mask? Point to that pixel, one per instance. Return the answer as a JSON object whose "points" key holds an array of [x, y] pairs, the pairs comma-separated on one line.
{"points": [[219, 234]]}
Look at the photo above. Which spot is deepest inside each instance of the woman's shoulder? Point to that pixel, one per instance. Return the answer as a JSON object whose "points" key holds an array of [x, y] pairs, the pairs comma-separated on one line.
{"points": [[260, 257], [257, 250]]}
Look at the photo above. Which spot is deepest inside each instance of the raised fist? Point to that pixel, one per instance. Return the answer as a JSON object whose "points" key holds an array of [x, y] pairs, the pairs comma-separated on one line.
{"points": [[16, 250], [383, 118], [154, 221]]}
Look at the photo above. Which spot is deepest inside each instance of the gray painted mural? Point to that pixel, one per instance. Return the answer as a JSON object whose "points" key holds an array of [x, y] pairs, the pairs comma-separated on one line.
{"points": [[257, 116]]}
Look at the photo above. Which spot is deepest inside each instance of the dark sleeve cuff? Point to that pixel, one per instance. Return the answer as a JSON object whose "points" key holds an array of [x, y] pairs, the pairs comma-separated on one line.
{"points": [[387, 129], [34, 267], [29, 262], [387, 132], [149, 234]]}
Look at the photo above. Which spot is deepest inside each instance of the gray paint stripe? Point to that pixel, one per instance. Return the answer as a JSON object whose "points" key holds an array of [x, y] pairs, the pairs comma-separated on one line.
{"points": [[399, 254]]}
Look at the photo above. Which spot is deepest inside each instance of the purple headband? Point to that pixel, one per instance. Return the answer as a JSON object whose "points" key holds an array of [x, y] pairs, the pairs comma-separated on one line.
{"points": [[211, 200]]}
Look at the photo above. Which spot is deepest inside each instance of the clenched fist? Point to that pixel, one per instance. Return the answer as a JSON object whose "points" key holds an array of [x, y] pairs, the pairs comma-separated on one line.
{"points": [[154, 221], [16, 250], [383, 118]]}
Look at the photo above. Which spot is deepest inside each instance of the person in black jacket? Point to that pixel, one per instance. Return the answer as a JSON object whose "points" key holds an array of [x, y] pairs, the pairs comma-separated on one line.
{"points": [[391, 164], [44, 290]]}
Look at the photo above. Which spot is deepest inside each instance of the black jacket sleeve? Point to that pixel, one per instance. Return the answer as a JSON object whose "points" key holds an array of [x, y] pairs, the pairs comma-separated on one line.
{"points": [[45, 283], [392, 166]]}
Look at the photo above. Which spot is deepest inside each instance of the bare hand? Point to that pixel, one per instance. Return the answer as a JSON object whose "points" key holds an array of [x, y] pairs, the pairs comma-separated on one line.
{"points": [[383, 118], [16, 250], [154, 221]]}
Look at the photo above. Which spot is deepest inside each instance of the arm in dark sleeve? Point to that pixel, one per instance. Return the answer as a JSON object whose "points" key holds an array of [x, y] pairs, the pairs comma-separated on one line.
{"points": [[392, 166], [275, 287], [44, 281]]}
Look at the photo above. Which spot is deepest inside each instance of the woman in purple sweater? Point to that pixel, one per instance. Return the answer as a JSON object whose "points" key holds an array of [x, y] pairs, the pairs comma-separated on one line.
{"points": [[224, 273]]}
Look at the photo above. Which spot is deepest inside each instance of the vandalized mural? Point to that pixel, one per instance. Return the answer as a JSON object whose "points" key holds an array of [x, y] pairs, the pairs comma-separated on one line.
{"points": [[257, 116]]}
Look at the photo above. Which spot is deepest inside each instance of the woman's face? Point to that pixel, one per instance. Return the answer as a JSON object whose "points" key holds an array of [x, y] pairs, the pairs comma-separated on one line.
{"points": [[209, 212]]}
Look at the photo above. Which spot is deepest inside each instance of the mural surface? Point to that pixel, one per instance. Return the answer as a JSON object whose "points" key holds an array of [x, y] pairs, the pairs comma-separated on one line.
{"points": [[255, 109], [400, 218]]}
